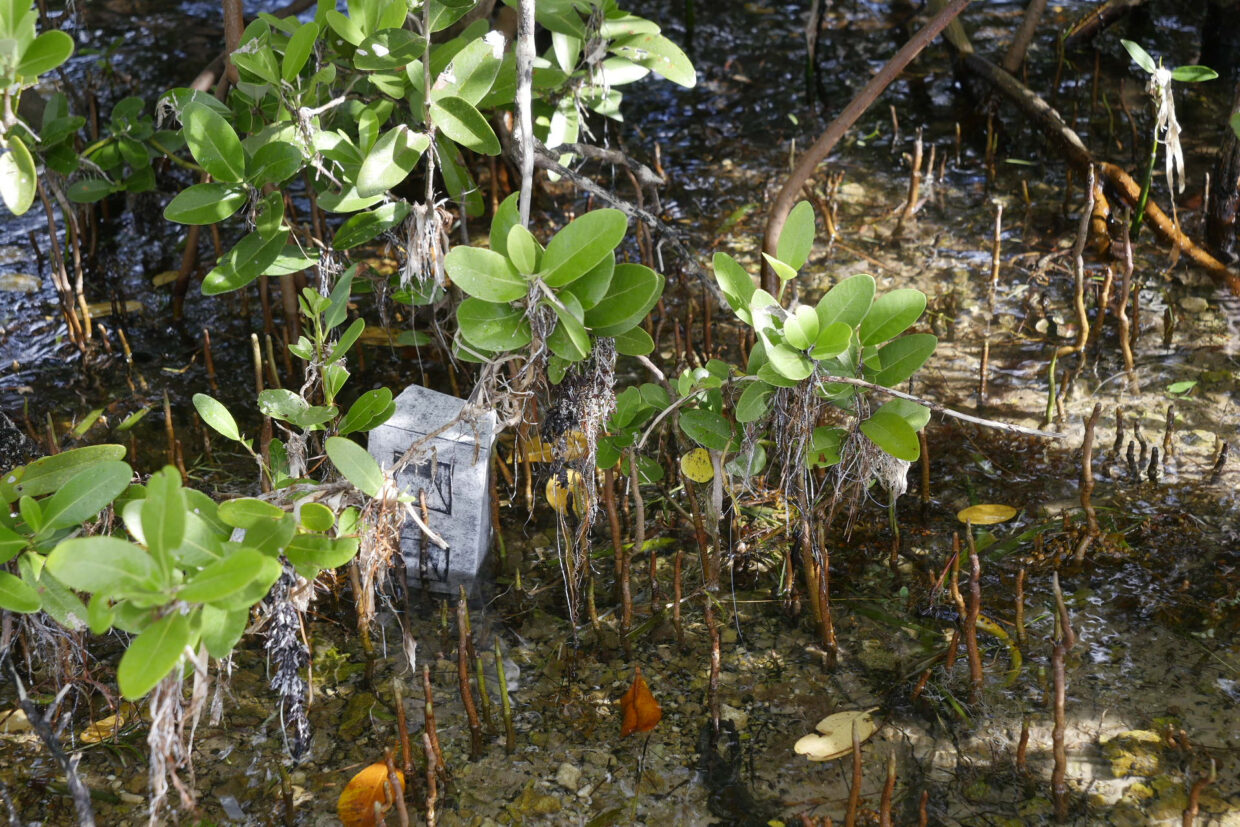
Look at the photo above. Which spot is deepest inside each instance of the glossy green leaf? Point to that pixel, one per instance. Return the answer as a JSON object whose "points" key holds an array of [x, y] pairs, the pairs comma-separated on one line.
{"points": [[371, 410], [315, 551], [847, 302], [152, 655], [1141, 56], [747, 464], [46, 52], [101, 564], [11, 544], [634, 342], [388, 49], [801, 328], [754, 402], [832, 340], [297, 52], [17, 596], [246, 261], [901, 358], [891, 314], [789, 362], [343, 26], [824, 447], [1193, 74], [316, 516], [269, 216], [86, 494], [205, 203], [217, 416], [592, 288], [90, 190], [391, 160], [736, 284], [658, 54], [634, 290], [18, 176], [485, 274], [222, 628], [249, 512], [569, 340], [706, 428], [364, 226], [581, 245], [889, 431], [796, 241], [524, 251], [784, 271], [493, 326], [459, 120], [506, 216], [223, 578], [213, 143], [99, 614], [914, 414], [356, 464], [48, 474], [274, 162], [474, 69]]}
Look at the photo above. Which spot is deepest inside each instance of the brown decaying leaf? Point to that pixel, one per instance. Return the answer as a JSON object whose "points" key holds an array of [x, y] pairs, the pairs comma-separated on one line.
{"points": [[356, 805], [641, 711]]}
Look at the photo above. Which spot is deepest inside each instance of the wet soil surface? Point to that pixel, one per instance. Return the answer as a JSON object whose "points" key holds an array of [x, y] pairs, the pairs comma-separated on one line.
{"points": [[1153, 683]]}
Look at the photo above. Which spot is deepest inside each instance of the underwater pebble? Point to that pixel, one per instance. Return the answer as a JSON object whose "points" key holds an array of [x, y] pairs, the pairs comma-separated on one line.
{"points": [[568, 777], [1194, 304], [738, 717]]}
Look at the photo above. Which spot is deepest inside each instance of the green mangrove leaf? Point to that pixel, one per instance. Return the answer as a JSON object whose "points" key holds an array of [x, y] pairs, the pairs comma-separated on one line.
{"points": [[298, 50], [581, 245], [246, 261], [356, 464], [274, 162], [889, 431], [485, 274], [249, 512], [1141, 56], [785, 271], [592, 288], [706, 428], [18, 175], [364, 226], [493, 326], [45, 53], [213, 143], [736, 285], [85, 495], [217, 416], [224, 577], [524, 251], [152, 655], [901, 358], [891, 314], [659, 55], [391, 160], [754, 401], [388, 49], [101, 564], [911, 412], [634, 342], [507, 215], [633, 291], [459, 120], [796, 241], [371, 410], [205, 203], [847, 302], [18, 596]]}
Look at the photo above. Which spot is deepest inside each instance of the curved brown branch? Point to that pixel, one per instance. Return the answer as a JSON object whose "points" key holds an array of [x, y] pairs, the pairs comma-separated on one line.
{"points": [[822, 147], [1079, 156]]}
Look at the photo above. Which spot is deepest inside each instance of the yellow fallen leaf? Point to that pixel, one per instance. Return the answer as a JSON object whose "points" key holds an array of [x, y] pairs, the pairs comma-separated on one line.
{"points": [[834, 736], [105, 729], [696, 465], [166, 277], [559, 491], [101, 310], [986, 514]]}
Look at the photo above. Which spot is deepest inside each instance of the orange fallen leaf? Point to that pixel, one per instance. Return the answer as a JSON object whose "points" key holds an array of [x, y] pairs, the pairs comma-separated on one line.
{"points": [[356, 806], [641, 711]]}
